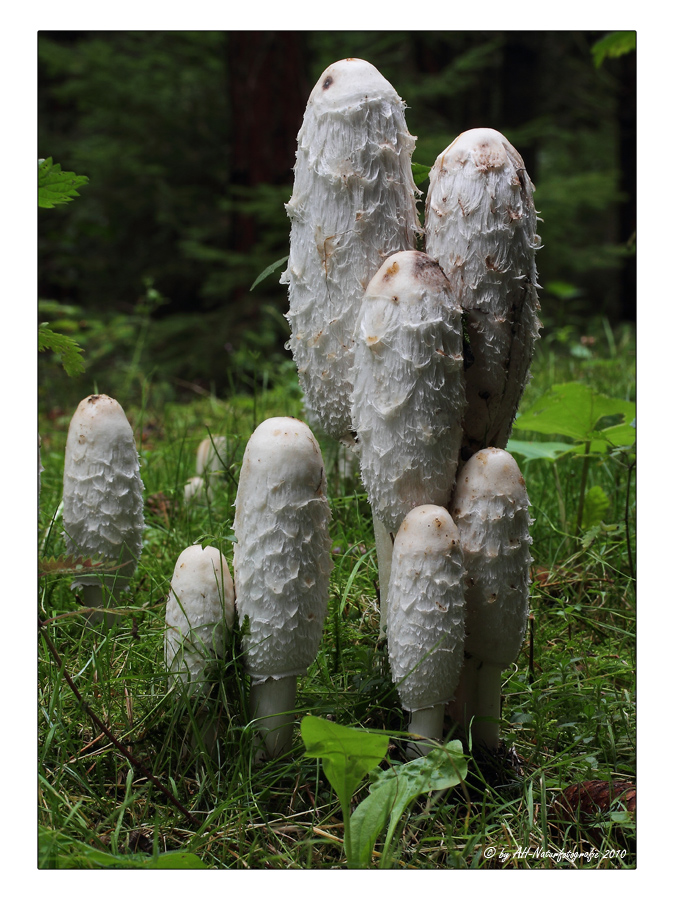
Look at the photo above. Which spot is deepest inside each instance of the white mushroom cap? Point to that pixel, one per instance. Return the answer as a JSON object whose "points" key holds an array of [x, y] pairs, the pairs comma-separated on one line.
{"points": [[347, 83], [426, 608], [199, 607], [282, 559], [409, 395], [481, 227], [353, 204], [102, 489], [491, 510]]}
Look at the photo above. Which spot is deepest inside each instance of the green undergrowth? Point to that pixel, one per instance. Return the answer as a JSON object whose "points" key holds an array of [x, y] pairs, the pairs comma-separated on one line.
{"points": [[569, 702]]}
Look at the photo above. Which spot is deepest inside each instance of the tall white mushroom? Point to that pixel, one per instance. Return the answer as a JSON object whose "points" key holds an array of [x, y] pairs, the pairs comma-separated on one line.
{"points": [[426, 617], [409, 395], [282, 567], [353, 204], [481, 227], [102, 498], [491, 511], [199, 612]]}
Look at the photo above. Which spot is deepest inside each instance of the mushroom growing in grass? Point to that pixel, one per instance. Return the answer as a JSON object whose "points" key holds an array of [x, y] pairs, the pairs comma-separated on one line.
{"points": [[409, 395], [199, 612], [426, 618], [102, 499], [481, 227], [282, 567], [211, 459], [353, 204], [491, 511]]}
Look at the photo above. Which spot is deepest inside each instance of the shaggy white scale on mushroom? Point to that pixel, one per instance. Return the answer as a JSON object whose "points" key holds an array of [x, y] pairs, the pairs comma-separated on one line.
{"points": [[282, 566], [199, 611], [102, 498], [426, 618], [491, 511], [353, 204], [481, 227]]}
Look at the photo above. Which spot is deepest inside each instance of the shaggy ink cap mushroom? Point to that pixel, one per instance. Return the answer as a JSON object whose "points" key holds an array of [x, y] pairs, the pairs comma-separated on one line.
{"points": [[409, 395], [282, 566], [199, 612], [353, 204], [491, 511], [102, 498], [426, 616], [481, 227]]}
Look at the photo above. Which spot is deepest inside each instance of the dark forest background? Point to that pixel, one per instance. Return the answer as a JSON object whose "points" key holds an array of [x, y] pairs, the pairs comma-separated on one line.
{"points": [[188, 140]]}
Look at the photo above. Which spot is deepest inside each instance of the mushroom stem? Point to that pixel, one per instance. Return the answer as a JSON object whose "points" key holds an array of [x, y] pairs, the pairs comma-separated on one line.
{"points": [[95, 596], [384, 545], [272, 703], [427, 723], [477, 703]]}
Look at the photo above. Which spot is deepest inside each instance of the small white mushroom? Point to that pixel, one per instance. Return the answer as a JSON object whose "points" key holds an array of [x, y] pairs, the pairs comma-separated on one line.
{"points": [[481, 227], [282, 567], [199, 612], [212, 454], [102, 498], [426, 617], [353, 204], [491, 511], [211, 459]]}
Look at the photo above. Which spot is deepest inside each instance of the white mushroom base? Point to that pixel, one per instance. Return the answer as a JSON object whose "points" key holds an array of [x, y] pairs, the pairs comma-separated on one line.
{"points": [[272, 704], [477, 703], [428, 724]]}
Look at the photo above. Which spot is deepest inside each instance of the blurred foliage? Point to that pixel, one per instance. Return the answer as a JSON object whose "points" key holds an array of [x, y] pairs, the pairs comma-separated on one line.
{"points": [[188, 139]]}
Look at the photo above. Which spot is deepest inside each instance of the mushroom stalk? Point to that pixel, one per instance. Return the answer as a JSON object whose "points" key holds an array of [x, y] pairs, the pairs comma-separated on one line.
{"points": [[481, 227], [383, 540], [102, 499], [272, 704], [353, 204], [282, 566]]}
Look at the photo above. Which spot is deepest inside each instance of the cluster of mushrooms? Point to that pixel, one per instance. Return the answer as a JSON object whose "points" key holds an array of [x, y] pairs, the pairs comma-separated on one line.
{"points": [[417, 362]]}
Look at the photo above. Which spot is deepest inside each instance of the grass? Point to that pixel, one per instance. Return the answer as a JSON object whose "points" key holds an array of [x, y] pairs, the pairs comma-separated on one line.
{"points": [[569, 702]]}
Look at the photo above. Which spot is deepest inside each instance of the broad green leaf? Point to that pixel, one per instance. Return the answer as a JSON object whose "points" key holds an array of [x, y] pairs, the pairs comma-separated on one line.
{"points": [[573, 410], [538, 449], [420, 173], [271, 268], [368, 820], [54, 186], [348, 754], [393, 790], [615, 44], [594, 507]]}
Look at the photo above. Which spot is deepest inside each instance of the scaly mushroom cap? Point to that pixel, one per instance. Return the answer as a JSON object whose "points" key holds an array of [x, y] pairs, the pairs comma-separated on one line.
{"points": [[102, 489], [282, 559], [409, 394], [353, 204], [481, 227], [201, 597], [426, 608], [491, 511]]}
